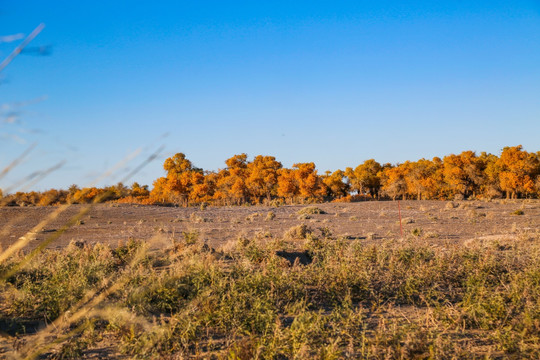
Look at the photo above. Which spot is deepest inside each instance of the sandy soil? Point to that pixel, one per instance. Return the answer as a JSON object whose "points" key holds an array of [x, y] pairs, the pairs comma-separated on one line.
{"points": [[116, 224]]}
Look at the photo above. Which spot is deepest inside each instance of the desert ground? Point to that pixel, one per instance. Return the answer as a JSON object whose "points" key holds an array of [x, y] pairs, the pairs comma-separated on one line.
{"points": [[371, 220], [243, 282]]}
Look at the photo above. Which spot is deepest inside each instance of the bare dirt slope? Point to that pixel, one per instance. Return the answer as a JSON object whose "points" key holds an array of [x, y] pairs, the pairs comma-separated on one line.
{"points": [[115, 224]]}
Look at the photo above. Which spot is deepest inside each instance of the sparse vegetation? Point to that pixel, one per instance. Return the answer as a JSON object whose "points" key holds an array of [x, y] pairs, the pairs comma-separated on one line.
{"points": [[417, 232], [270, 216], [310, 210], [190, 237], [347, 299], [298, 232], [253, 217]]}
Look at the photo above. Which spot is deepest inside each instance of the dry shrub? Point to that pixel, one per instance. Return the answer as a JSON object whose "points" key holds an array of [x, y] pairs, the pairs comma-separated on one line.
{"points": [[298, 232], [407, 299], [194, 218], [310, 210], [407, 220], [450, 205], [253, 217], [270, 216]]}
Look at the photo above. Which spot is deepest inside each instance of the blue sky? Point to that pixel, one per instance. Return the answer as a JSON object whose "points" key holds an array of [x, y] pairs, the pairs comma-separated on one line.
{"points": [[333, 82]]}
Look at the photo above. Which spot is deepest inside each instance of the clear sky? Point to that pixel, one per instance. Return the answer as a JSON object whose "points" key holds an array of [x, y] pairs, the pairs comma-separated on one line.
{"points": [[333, 82]]}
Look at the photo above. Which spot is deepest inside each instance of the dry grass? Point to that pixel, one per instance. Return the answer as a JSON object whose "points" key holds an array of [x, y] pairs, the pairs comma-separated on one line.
{"points": [[408, 299], [310, 210]]}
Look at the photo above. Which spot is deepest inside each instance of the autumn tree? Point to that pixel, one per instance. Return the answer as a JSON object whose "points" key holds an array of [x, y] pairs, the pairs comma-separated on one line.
{"points": [[117, 191], [160, 191], [177, 164], [394, 183], [424, 178], [288, 187], [90, 195], [139, 191], [310, 185], [136, 194], [491, 186], [179, 182], [336, 187], [231, 182], [262, 178], [518, 171], [365, 178], [463, 173], [53, 197]]}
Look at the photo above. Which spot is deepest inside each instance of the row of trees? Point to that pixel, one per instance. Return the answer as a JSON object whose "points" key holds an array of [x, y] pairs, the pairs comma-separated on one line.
{"points": [[513, 174], [75, 195]]}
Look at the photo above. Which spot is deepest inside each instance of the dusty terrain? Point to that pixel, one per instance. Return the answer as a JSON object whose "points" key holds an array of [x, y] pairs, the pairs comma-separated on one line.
{"points": [[467, 272], [115, 224]]}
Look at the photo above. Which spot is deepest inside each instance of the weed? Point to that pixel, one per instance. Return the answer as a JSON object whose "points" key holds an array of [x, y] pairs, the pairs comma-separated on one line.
{"points": [[194, 218], [253, 217], [298, 232], [190, 237], [310, 210], [321, 297], [325, 232], [270, 216], [450, 205], [407, 221]]}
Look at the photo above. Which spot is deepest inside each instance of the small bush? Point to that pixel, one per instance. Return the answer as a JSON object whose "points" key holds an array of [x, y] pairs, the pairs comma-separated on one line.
{"points": [[325, 232], [416, 232], [190, 237], [450, 205], [310, 210], [253, 217], [194, 218], [270, 216], [298, 232]]}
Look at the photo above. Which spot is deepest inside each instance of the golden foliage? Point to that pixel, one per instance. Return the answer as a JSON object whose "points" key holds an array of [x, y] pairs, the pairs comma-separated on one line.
{"points": [[264, 179]]}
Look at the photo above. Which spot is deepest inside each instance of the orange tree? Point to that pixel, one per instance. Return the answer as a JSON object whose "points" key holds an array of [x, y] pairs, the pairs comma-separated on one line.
{"points": [[365, 178], [231, 182], [463, 173], [139, 191], [262, 179], [491, 186], [336, 187], [310, 185], [394, 183], [518, 171], [287, 184], [178, 184], [424, 178]]}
